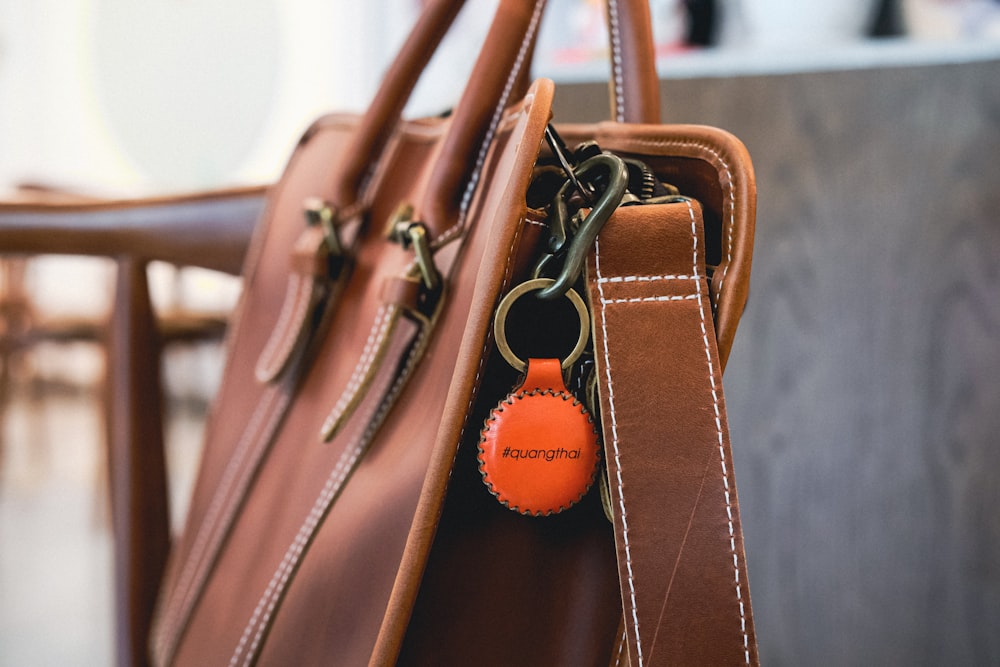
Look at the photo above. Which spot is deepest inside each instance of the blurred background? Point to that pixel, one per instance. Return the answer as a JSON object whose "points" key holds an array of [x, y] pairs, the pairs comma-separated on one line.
{"points": [[862, 391]]}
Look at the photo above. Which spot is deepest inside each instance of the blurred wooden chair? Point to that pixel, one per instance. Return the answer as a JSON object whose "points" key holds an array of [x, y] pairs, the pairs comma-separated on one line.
{"points": [[208, 230], [22, 326]]}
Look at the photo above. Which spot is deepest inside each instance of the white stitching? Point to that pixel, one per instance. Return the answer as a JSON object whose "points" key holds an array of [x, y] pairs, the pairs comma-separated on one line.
{"points": [[467, 196], [730, 188], [207, 529], [621, 648], [601, 280], [470, 187], [642, 279], [718, 430], [220, 496], [647, 299], [616, 60], [223, 502], [501, 106], [368, 355], [614, 441], [505, 280], [278, 347], [294, 552], [732, 222]]}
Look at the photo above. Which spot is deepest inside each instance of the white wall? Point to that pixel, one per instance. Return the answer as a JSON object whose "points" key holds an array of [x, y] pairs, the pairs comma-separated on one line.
{"points": [[154, 95], [164, 95], [128, 97]]}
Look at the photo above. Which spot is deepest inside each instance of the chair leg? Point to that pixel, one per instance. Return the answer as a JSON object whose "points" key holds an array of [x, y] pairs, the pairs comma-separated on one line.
{"points": [[14, 322], [137, 472]]}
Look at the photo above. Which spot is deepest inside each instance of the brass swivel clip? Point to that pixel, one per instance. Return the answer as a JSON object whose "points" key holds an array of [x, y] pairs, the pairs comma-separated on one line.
{"points": [[413, 234], [321, 214], [602, 178]]}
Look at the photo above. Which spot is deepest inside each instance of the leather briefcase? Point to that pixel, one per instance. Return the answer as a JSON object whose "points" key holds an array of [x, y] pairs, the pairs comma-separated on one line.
{"points": [[472, 411]]}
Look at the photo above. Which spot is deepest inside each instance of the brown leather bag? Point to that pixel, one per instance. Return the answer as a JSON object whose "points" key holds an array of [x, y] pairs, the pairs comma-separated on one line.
{"points": [[340, 514]]}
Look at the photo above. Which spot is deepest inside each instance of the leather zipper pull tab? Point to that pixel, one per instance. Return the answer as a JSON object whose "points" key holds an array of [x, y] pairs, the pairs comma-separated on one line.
{"points": [[316, 261]]}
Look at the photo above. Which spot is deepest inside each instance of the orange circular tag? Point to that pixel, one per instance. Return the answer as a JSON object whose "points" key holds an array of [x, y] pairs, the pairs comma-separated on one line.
{"points": [[539, 451]]}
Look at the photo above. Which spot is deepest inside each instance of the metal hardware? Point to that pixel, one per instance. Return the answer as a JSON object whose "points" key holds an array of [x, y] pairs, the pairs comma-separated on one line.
{"points": [[407, 232], [614, 182], [402, 214], [414, 234], [500, 322], [320, 213], [605, 488], [560, 151]]}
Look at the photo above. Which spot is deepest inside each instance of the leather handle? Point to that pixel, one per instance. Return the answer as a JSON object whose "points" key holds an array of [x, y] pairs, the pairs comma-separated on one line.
{"points": [[387, 106], [508, 46], [477, 113], [503, 57], [635, 86]]}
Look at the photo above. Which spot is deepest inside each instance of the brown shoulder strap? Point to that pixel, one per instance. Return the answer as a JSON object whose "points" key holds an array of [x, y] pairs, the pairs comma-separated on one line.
{"points": [[677, 525]]}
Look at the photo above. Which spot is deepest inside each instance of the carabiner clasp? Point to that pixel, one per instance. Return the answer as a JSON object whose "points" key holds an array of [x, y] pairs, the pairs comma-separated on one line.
{"points": [[605, 171]]}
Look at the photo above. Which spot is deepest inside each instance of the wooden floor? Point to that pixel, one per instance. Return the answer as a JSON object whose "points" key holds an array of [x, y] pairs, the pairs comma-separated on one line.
{"points": [[55, 564], [55, 541]]}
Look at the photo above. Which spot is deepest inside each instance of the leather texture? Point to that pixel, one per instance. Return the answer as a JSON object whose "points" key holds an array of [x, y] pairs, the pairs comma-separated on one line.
{"points": [[681, 561], [538, 453], [351, 474], [713, 167], [339, 515]]}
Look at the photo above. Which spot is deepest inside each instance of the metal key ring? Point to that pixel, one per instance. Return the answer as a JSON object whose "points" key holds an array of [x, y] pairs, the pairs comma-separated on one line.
{"points": [[500, 322]]}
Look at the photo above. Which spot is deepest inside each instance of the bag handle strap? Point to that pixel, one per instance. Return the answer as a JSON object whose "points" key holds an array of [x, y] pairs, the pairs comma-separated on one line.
{"points": [[679, 541], [386, 107], [635, 88], [635, 85], [487, 94]]}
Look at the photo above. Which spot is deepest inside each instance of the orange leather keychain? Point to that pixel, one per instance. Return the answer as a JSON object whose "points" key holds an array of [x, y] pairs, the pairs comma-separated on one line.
{"points": [[539, 452]]}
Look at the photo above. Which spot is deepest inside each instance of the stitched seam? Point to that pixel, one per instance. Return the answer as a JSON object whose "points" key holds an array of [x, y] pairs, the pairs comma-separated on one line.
{"points": [[368, 355], [730, 190], [732, 223], [214, 508], [345, 465], [491, 423], [279, 579], [486, 343], [614, 441], [616, 60], [645, 279], [207, 532], [281, 342], [470, 188], [647, 299], [719, 436], [220, 513], [621, 648]]}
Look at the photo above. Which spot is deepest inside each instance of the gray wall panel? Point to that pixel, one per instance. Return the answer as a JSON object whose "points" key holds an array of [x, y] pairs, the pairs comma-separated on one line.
{"points": [[864, 387]]}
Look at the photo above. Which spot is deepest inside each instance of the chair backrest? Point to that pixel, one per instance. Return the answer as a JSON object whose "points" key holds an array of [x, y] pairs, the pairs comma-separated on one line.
{"points": [[210, 230]]}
